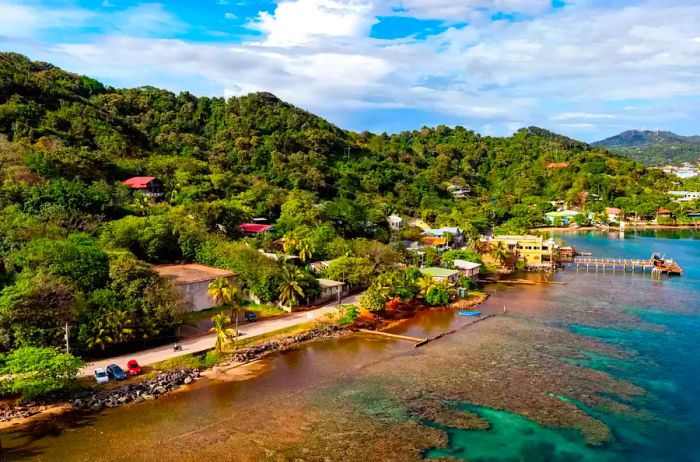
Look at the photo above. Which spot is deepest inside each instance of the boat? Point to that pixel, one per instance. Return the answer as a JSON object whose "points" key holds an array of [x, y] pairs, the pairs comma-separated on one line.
{"points": [[469, 313]]}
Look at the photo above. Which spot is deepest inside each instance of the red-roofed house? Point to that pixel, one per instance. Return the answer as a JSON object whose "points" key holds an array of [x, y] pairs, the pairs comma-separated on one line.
{"points": [[254, 228], [147, 185], [663, 213]]}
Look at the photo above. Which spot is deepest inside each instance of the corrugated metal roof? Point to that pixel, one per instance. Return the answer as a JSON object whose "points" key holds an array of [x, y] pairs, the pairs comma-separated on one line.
{"points": [[139, 182]]}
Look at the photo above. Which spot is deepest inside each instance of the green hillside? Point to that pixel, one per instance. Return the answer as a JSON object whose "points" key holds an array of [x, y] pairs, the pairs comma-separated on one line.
{"points": [[654, 148], [75, 243]]}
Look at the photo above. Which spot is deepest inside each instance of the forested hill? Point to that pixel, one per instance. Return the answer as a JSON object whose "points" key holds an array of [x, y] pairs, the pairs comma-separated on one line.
{"points": [[69, 126], [654, 148]]}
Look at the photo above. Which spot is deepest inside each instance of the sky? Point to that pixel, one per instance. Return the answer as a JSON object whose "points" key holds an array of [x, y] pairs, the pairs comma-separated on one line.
{"points": [[584, 68]]}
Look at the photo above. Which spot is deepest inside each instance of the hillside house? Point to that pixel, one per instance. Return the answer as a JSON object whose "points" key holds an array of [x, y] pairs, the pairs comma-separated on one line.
{"points": [[685, 196], [459, 192], [665, 213], [396, 223], [457, 235], [441, 274], [148, 186], [563, 218], [319, 266], [467, 268], [330, 290], [614, 214], [192, 280], [252, 229]]}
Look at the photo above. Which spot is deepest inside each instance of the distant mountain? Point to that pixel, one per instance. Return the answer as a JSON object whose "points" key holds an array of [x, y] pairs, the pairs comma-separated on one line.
{"points": [[654, 147]]}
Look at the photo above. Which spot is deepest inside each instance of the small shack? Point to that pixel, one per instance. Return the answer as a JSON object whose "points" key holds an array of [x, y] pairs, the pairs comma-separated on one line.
{"points": [[467, 268], [441, 274], [330, 290], [193, 282]]}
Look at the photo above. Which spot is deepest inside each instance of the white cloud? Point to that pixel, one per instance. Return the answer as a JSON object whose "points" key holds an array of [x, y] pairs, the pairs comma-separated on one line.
{"points": [[581, 116], [21, 19], [466, 10], [567, 68], [230, 15], [301, 21]]}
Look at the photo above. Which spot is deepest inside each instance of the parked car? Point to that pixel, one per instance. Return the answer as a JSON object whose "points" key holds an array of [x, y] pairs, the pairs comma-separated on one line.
{"points": [[133, 368], [251, 316], [115, 372], [101, 376]]}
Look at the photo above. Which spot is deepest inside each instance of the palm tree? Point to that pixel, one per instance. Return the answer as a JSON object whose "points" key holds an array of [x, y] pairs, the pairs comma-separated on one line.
{"points": [[120, 326], [306, 250], [99, 337], [226, 294], [222, 331], [290, 289], [220, 291], [424, 284], [290, 242], [499, 252]]}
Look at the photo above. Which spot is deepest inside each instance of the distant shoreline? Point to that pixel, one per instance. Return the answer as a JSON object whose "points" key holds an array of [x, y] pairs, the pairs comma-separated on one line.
{"points": [[617, 228]]}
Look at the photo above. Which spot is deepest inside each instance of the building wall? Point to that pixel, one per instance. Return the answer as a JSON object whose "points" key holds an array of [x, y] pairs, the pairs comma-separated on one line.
{"points": [[470, 273], [195, 295]]}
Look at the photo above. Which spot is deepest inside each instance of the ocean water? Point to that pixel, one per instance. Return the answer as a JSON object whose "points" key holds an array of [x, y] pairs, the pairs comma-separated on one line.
{"points": [[664, 346], [313, 389]]}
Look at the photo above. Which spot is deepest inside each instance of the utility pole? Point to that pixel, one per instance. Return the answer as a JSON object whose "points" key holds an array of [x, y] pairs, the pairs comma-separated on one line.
{"points": [[347, 152], [67, 338]]}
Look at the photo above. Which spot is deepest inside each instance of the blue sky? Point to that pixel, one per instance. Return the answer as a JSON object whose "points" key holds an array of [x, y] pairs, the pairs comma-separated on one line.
{"points": [[584, 68]]}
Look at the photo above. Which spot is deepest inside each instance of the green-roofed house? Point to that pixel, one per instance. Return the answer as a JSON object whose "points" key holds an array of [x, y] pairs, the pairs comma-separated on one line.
{"points": [[441, 274], [565, 216]]}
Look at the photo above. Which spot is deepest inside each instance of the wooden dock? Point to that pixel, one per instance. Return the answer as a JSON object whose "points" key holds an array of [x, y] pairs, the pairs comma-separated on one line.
{"points": [[669, 267]]}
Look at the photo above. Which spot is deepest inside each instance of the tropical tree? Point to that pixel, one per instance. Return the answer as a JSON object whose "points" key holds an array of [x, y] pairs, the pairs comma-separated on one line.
{"points": [[289, 242], [499, 252], [424, 285], [220, 292], [34, 372], [222, 331], [120, 326], [290, 288], [99, 336], [306, 250], [224, 293]]}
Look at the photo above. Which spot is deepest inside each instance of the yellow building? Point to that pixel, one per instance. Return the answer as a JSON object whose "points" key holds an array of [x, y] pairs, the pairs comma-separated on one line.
{"points": [[534, 251]]}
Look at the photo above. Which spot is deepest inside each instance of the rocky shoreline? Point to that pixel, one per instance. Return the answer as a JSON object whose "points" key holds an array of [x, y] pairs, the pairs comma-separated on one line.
{"points": [[283, 344], [164, 383]]}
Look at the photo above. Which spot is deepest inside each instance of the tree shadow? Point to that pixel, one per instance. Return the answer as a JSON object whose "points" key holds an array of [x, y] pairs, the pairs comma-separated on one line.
{"points": [[31, 440]]}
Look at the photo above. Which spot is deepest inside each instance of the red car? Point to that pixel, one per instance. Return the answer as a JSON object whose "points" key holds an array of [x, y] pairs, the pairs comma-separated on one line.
{"points": [[133, 368]]}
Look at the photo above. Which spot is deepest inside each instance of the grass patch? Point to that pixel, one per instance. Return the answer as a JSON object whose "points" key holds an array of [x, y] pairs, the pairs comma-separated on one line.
{"points": [[210, 359], [284, 332], [263, 311]]}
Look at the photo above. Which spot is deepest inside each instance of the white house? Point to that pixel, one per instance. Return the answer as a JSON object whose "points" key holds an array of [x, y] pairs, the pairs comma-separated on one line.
{"points": [[685, 196], [467, 268], [614, 214], [395, 222], [330, 290]]}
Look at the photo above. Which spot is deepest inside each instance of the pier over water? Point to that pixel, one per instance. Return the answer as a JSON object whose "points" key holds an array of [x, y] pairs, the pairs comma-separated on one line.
{"points": [[655, 266]]}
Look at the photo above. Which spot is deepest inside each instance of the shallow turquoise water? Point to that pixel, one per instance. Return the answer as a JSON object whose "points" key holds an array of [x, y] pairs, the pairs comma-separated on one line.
{"points": [[666, 362]]}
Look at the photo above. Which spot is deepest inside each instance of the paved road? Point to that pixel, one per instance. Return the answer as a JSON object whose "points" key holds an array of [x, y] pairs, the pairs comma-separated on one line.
{"points": [[206, 342]]}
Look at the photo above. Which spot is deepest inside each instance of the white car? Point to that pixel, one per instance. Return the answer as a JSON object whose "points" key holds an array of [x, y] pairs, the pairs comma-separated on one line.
{"points": [[101, 376]]}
